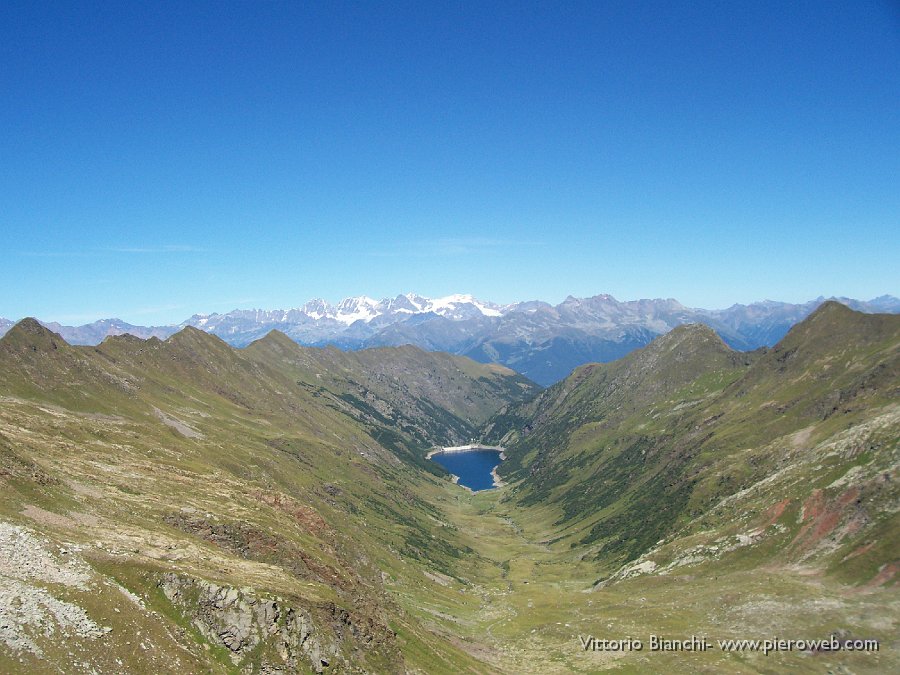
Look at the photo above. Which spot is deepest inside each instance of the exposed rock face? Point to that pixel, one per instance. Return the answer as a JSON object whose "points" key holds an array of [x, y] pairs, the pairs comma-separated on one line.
{"points": [[241, 621], [272, 635]]}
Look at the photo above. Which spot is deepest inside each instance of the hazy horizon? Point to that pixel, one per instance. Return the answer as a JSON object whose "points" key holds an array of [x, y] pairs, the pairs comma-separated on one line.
{"points": [[79, 320]]}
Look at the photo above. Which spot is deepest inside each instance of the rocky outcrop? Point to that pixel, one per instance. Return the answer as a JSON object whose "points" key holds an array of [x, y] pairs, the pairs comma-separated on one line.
{"points": [[36, 584], [270, 634], [242, 621]]}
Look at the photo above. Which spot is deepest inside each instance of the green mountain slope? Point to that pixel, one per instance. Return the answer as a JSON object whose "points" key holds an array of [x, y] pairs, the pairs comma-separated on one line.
{"points": [[226, 501], [399, 392], [182, 506], [623, 457]]}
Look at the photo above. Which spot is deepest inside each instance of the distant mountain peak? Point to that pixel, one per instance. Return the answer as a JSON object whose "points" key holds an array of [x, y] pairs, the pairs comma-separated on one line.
{"points": [[832, 306], [696, 336], [540, 340], [29, 325], [693, 329], [30, 334], [122, 338], [192, 337], [276, 338]]}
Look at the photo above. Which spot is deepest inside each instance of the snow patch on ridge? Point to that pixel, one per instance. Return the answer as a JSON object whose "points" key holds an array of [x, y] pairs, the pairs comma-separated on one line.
{"points": [[362, 308]]}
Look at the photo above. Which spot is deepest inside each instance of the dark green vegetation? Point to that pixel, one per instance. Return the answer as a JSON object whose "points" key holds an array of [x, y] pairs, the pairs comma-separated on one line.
{"points": [[238, 510]]}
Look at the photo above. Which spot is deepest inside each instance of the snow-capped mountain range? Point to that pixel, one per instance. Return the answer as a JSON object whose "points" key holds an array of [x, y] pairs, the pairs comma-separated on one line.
{"points": [[361, 308], [540, 340]]}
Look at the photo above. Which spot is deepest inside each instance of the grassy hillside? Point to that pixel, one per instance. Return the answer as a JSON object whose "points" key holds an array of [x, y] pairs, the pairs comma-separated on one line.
{"points": [[429, 398], [620, 457], [181, 506], [175, 472]]}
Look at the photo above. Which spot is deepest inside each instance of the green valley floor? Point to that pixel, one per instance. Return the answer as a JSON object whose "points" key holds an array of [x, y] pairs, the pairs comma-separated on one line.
{"points": [[524, 607]]}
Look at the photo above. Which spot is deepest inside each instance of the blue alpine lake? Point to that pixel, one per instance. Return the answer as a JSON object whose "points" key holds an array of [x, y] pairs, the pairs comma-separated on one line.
{"points": [[472, 466]]}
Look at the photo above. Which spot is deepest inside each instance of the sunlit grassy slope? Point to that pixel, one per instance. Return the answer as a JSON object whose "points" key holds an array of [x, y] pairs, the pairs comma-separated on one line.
{"points": [[241, 468], [245, 510], [623, 455]]}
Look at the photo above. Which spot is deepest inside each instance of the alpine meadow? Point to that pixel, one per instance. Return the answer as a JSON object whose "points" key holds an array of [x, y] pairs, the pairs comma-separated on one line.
{"points": [[271, 507]]}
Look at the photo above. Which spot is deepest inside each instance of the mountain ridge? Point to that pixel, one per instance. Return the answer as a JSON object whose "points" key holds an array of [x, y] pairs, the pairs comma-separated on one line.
{"points": [[270, 507], [624, 456], [296, 493], [539, 340]]}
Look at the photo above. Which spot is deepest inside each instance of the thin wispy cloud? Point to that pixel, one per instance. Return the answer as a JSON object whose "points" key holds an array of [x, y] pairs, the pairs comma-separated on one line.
{"points": [[144, 311], [55, 254], [451, 246], [128, 250], [172, 248], [232, 304], [81, 317]]}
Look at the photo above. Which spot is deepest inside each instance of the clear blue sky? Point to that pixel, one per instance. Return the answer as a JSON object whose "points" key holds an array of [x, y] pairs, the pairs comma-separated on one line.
{"points": [[162, 159]]}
